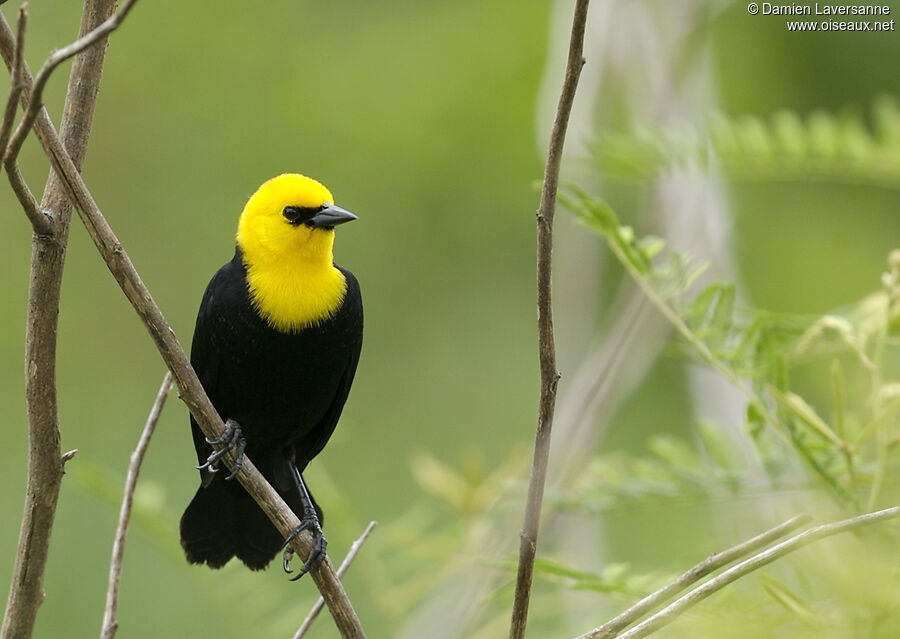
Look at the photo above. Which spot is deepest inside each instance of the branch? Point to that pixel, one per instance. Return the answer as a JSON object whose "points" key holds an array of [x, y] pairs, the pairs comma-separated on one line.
{"points": [[190, 389], [56, 58], [40, 221], [45, 461], [15, 86], [547, 347], [355, 547], [709, 565], [767, 556], [110, 614]]}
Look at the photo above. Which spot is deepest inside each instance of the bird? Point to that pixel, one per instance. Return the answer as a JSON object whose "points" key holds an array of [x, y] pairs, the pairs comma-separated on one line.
{"points": [[276, 346]]}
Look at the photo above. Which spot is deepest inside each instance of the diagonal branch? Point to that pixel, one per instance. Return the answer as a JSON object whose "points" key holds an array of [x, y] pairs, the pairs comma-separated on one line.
{"points": [[547, 346], [173, 354], [757, 561], [355, 547], [110, 614], [614, 626], [48, 252]]}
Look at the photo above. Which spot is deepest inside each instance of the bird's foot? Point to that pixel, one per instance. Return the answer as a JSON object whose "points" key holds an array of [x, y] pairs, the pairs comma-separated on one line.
{"points": [[231, 439], [310, 523]]}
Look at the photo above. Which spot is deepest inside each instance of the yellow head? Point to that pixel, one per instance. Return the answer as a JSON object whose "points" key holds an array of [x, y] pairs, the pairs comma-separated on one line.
{"points": [[286, 234]]}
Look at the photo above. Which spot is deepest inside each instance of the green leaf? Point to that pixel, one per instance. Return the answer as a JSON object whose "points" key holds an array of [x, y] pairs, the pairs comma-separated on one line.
{"points": [[790, 134], [823, 135], [675, 452], [441, 480], [651, 246], [745, 354], [754, 137], [838, 393], [547, 566], [790, 601], [710, 314], [755, 420], [828, 329], [885, 415], [807, 415], [886, 114]]}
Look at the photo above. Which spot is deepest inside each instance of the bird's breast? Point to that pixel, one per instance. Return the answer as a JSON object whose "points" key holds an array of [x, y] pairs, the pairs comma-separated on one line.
{"points": [[292, 296], [276, 383]]}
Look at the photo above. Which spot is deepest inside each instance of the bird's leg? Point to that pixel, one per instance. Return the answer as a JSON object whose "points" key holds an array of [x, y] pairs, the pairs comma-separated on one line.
{"points": [[310, 522], [232, 438]]}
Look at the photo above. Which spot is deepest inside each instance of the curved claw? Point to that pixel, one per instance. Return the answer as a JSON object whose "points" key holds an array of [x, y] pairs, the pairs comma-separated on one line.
{"points": [[208, 466], [315, 556], [231, 438]]}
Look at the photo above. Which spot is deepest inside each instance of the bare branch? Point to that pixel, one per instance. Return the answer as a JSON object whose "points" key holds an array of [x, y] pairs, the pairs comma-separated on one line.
{"points": [[40, 222], [189, 386], [709, 565], [547, 346], [355, 547], [45, 461], [15, 86], [757, 561], [110, 614], [54, 60]]}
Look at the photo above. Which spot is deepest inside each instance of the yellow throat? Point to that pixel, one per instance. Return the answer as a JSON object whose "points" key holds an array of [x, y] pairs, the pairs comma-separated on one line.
{"points": [[291, 275]]}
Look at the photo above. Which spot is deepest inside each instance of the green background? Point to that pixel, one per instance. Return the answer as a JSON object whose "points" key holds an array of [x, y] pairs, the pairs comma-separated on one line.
{"points": [[421, 118]]}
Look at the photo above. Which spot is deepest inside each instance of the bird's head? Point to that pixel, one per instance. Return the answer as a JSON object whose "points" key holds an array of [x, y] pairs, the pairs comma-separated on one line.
{"points": [[290, 215]]}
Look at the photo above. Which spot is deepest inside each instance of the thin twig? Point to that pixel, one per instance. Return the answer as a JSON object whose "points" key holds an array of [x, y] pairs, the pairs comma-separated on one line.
{"points": [[10, 152], [709, 565], [40, 222], [190, 389], [351, 555], [547, 347], [15, 86], [110, 613], [56, 58], [757, 561], [48, 252]]}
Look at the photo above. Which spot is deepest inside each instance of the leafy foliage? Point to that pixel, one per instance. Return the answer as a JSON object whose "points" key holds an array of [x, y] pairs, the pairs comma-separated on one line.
{"points": [[846, 444], [756, 352], [823, 147]]}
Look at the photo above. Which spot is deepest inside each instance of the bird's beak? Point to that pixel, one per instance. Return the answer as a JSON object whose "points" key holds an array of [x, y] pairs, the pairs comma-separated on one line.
{"points": [[330, 216]]}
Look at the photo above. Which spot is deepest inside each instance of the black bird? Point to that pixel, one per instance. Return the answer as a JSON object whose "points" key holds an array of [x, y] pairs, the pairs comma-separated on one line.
{"points": [[276, 345]]}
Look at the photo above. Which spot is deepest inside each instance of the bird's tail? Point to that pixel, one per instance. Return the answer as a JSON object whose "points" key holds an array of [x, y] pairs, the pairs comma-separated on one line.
{"points": [[223, 521]]}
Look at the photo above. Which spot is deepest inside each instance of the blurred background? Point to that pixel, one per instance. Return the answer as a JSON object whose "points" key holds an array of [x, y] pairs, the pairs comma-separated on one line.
{"points": [[429, 120]]}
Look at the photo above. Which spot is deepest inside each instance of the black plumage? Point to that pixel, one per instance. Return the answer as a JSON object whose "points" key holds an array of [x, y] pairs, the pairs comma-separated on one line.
{"points": [[286, 390]]}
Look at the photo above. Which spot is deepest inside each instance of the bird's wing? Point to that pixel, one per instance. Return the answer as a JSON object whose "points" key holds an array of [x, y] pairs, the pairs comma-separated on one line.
{"points": [[311, 445], [206, 360]]}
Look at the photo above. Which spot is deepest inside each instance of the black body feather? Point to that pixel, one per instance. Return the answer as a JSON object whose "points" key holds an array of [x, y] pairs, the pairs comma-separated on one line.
{"points": [[286, 391]]}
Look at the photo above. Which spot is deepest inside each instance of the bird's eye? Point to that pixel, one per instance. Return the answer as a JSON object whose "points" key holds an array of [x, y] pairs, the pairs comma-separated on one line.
{"points": [[299, 214]]}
